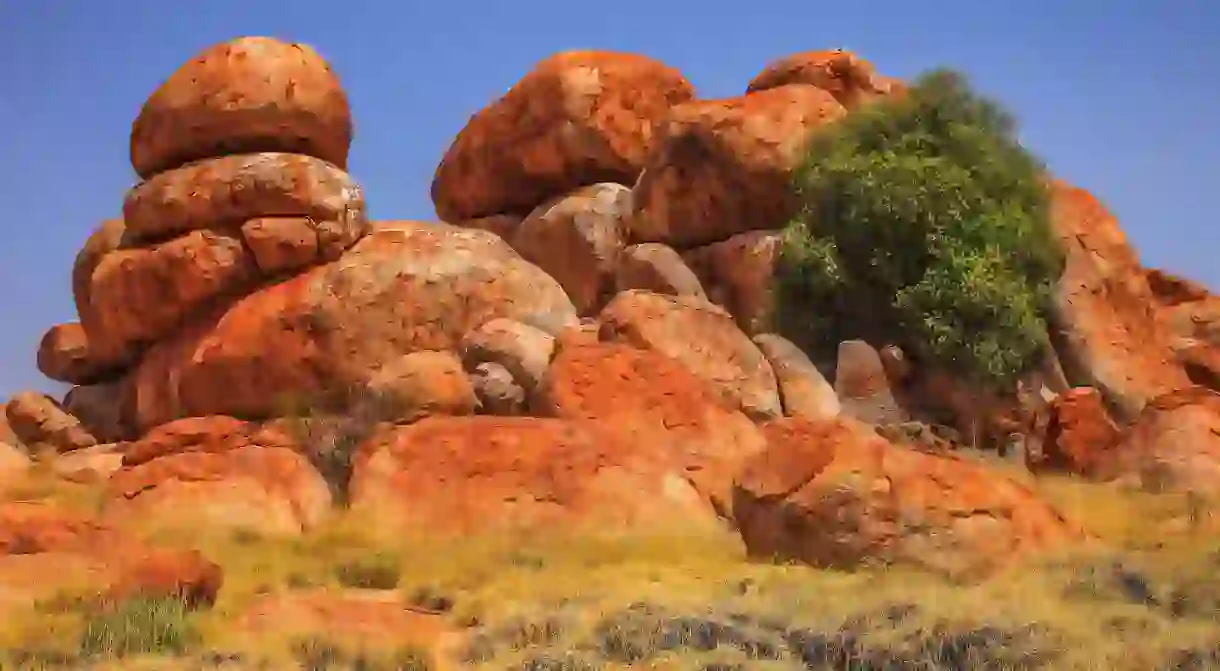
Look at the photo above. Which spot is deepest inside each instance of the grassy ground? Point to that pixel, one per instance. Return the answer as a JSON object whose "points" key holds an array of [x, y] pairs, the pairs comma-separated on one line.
{"points": [[552, 604]]}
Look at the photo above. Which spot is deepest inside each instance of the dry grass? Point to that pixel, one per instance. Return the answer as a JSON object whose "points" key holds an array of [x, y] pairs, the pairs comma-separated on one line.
{"points": [[694, 602]]}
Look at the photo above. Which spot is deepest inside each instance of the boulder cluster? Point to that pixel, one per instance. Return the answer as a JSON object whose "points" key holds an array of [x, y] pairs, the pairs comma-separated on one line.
{"points": [[581, 341]]}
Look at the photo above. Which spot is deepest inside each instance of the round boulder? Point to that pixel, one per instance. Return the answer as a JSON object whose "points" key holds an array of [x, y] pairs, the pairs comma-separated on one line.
{"points": [[252, 94]]}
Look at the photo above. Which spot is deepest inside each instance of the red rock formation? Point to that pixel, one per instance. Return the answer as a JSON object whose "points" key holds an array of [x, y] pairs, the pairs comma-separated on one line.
{"points": [[835, 494], [462, 475], [577, 118], [724, 167], [252, 94]]}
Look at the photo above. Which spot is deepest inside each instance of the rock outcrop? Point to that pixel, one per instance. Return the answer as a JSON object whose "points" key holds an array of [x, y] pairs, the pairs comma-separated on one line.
{"points": [[46, 552], [835, 494], [217, 472], [1110, 337], [408, 286], [578, 118], [584, 342], [252, 94]]}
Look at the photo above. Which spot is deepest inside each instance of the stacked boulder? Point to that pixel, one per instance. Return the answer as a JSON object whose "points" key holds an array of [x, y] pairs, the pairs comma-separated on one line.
{"points": [[242, 154], [581, 342]]}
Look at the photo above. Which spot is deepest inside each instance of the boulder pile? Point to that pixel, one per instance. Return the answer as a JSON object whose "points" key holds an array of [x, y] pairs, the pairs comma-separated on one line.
{"points": [[583, 340]]}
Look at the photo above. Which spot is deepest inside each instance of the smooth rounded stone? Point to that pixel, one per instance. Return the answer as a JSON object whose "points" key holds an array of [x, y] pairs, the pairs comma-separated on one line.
{"points": [[251, 94], [803, 391], [498, 392], [577, 118], [521, 349], [657, 268], [576, 239], [234, 189]]}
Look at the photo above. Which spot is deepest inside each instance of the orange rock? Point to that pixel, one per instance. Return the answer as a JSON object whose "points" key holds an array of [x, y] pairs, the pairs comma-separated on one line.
{"points": [[1191, 314], [45, 550], [99, 408], [849, 78], [106, 354], [369, 619], [461, 475], [1080, 437], [835, 494], [1170, 289], [37, 421], [67, 354], [6, 432], [657, 268], [522, 350], [219, 472], [803, 389], [863, 387], [281, 243], [1112, 339], [739, 274], [407, 287], [654, 401], [252, 94], [14, 464], [724, 167], [579, 117], [233, 189], [576, 239], [140, 295], [703, 338], [423, 383], [503, 225], [1175, 443]]}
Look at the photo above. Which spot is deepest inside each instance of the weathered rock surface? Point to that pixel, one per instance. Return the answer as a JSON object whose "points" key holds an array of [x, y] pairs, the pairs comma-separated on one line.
{"points": [[803, 391], [1174, 445], [423, 383], [89, 465], [1111, 338], [408, 286], [654, 401], [657, 268], [849, 78], [140, 295], [99, 409], [835, 494], [577, 118], [863, 387], [217, 472], [1191, 314], [503, 225], [252, 94], [739, 275], [457, 475], [498, 392], [39, 422], [233, 189], [47, 552], [14, 464], [724, 167], [66, 354], [1080, 438], [703, 338], [521, 349], [576, 239]]}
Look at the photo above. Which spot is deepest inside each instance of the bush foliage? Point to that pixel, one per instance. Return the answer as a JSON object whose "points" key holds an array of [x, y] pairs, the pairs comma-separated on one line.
{"points": [[923, 221]]}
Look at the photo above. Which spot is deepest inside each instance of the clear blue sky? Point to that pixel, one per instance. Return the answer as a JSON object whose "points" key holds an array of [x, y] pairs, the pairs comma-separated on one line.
{"points": [[1118, 96]]}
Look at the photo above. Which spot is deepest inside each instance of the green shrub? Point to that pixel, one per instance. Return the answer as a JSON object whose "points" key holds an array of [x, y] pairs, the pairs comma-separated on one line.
{"points": [[332, 427], [380, 570], [923, 222], [139, 626]]}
